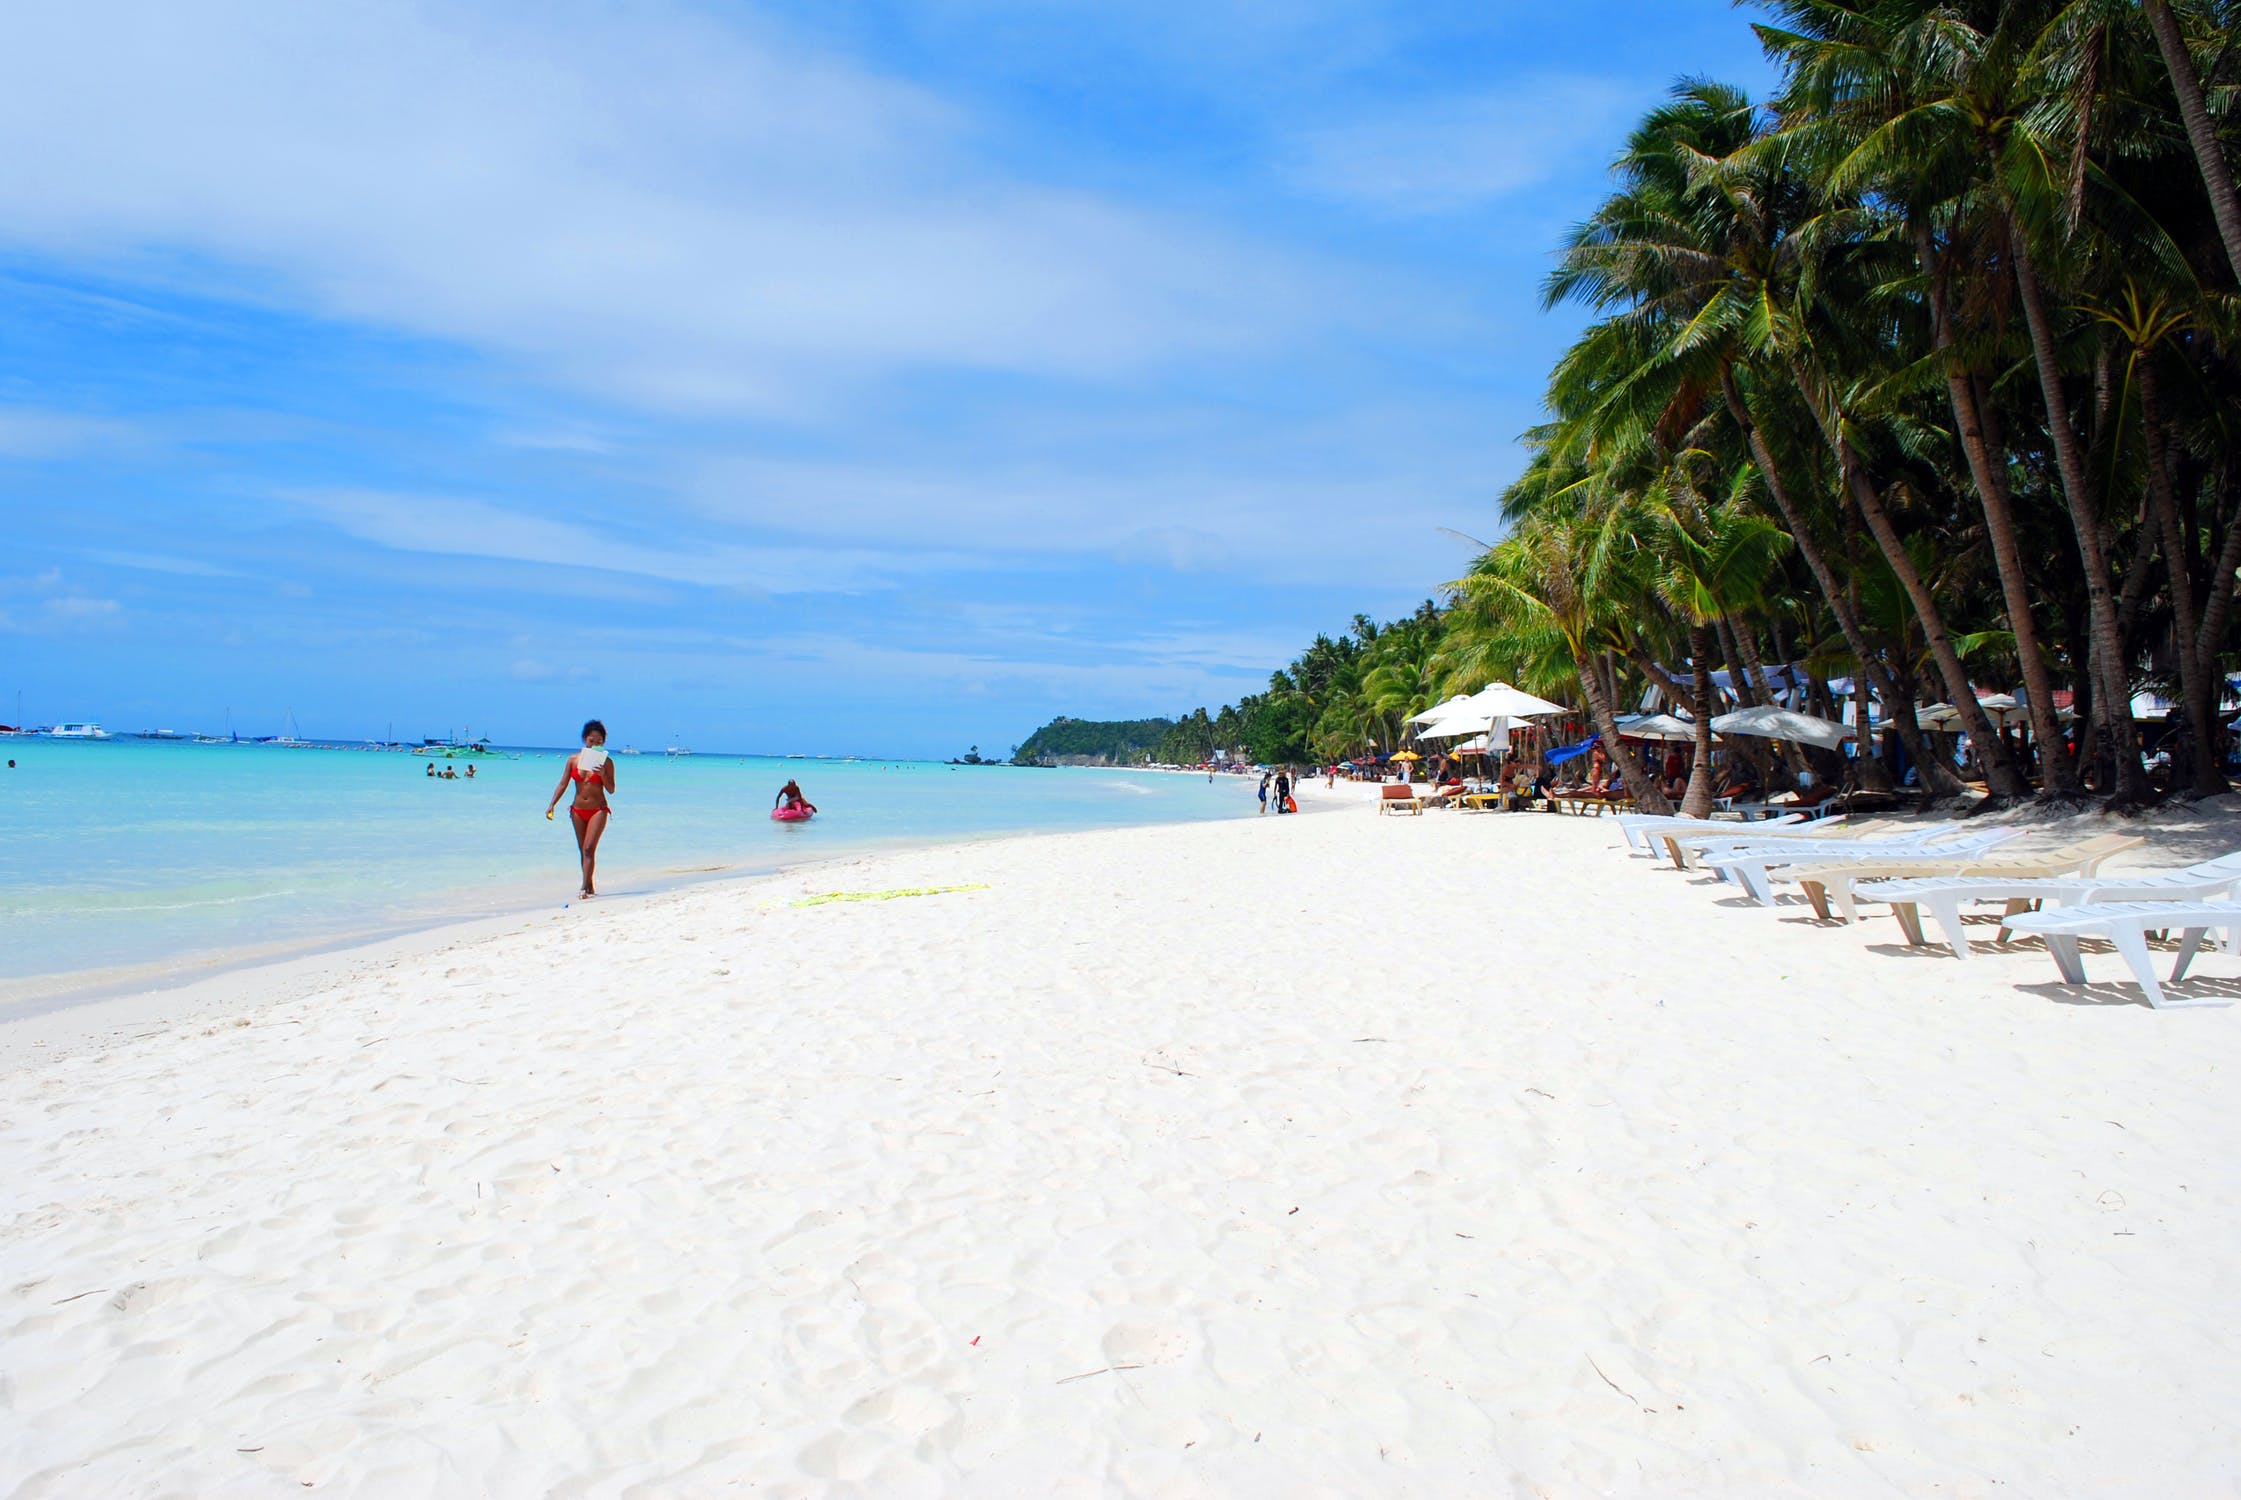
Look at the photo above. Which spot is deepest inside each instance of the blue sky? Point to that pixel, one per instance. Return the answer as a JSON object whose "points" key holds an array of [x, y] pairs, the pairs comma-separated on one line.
{"points": [[816, 375]]}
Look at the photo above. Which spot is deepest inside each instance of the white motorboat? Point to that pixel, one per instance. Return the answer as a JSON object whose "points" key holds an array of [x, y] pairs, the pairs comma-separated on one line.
{"points": [[78, 732]]}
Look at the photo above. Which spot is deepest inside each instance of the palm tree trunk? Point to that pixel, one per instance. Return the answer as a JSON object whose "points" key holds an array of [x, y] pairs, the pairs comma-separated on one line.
{"points": [[2219, 607], [1937, 776], [1648, 795], [1696, 801], [2201, 134], [2113, 697], [2201, 696], [1748, 649], [1745, 693], [1999, 768], [2057, 776]]}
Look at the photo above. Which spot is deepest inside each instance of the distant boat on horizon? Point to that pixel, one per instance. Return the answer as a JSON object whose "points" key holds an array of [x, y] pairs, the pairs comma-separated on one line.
{"points": [[77, 731]]}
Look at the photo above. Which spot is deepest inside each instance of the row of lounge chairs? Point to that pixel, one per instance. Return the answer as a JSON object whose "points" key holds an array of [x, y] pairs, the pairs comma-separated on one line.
{"points": [[2060, 895], [1407, 797]]}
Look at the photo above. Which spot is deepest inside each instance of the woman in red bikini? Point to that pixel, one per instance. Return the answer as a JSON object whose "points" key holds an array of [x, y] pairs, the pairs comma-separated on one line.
{"points": [[591, 771]]}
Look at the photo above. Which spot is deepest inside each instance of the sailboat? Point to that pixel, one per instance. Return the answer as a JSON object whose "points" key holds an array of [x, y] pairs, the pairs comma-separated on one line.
{"points": [[289, 739]]}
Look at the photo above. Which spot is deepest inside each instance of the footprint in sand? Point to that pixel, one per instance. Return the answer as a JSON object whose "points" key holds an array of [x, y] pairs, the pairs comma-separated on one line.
{"points": [[1145, 1344], [909, 1411]]}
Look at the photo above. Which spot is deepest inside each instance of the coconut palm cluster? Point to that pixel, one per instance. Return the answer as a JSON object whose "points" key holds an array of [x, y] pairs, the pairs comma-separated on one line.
{"points": [[1921, 372]]}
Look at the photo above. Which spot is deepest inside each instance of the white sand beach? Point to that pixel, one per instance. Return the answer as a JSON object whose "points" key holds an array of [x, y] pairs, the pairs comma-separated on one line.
{"points": [[1330, 1155]]}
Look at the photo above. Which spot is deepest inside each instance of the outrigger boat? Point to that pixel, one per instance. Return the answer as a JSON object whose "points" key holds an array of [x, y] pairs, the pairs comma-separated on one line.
{"points": [[457, 749]]}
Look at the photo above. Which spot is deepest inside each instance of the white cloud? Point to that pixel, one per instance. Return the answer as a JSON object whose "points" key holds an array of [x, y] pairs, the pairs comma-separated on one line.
{"points": [[641, 201], [463, 527], [544, 673], [40, 432], [153, 562], [1460, 153], [45, 603]]}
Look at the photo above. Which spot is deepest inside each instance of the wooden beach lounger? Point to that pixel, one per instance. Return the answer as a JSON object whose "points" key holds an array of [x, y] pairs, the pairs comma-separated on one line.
{"points": [[2126, 924], [1399, 797], [1838, 885], [1597, 802], [1751, 867], [2211, 880]]}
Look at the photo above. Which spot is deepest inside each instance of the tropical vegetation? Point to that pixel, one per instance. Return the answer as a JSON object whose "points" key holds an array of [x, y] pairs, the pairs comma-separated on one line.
{"points": [[1919, 376], [1107, 742], [1922, 372]]}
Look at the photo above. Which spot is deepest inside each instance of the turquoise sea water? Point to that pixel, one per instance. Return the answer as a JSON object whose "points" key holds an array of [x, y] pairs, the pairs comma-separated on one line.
{"points": [[125, 854]]}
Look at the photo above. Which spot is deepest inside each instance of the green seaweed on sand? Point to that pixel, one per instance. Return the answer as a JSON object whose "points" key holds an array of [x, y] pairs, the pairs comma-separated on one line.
{"points": [[826, 898]]}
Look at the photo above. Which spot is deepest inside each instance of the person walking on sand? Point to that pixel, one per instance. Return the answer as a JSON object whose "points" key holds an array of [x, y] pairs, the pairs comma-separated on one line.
{"points": [[1266, 778], [1283, 789], [592, 771]]}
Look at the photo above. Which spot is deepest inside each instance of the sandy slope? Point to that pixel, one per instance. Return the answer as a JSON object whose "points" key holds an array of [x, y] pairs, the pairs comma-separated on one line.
{"points": [[1180, 1161]]}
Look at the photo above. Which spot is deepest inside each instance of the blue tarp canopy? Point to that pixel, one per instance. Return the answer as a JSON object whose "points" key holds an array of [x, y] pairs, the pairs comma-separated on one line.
{"points": [[1572, 752]]}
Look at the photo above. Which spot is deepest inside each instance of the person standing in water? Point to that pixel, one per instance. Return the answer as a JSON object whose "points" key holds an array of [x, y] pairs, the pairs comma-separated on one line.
{"points": [[592, 771]]}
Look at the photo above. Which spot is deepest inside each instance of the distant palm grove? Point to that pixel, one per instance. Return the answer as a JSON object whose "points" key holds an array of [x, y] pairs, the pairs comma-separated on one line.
{"points": [[1921, 372]]}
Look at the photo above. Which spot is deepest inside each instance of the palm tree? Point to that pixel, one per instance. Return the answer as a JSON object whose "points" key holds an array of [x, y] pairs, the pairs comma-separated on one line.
{"points": [[1694, 259], [2186, 84], [1552, 581]]}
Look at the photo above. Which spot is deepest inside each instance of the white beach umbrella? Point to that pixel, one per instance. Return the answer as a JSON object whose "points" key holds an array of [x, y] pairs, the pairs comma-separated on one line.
{"points": [[2000, 707], [1657, 727], [1783, 724], [1945, 718], [1495, 730], [1445, 710], [1498, 700]]}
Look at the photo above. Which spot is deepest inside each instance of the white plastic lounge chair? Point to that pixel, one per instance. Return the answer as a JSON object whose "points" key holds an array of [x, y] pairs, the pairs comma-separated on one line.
{"points": [[1751, 867], [2211, 880], [1640, 827], [1844, 885], [2126, 924], [1689, 845]]}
